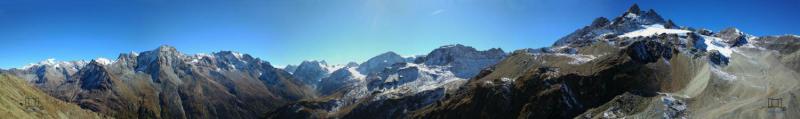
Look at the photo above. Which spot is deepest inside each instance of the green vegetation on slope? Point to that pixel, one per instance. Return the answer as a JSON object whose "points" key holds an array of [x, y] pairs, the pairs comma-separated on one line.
{"points": [[19, 100]]}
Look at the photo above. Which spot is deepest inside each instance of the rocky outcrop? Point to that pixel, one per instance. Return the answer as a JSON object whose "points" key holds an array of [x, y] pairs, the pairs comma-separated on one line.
{"points": [[95, 77], [649, 51], [290, 68], [717, 58], [732, 36]]}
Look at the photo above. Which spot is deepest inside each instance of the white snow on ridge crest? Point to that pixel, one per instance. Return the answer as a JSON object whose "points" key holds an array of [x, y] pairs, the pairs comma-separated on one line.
{"points": [[237, 55], [50, 61], [650, 30], [103, 61], [56, 64], [331, 68]]}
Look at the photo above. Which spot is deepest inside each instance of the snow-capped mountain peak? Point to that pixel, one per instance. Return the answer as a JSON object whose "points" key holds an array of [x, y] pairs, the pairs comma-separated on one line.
{"points": [[632, 20], [634, 16], [464, 61], [634, 9], [380, 62], [52, 62], [733, 36], [103, 61], [49, 61], [319, 64], [312, 72]]}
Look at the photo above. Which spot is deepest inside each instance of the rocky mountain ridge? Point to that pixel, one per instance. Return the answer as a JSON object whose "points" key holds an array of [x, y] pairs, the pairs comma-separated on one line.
{"points": [[636, 66], [164, 83]]}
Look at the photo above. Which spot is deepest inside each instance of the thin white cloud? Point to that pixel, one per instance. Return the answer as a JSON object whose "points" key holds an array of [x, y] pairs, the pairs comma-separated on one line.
{"points": [[437, 12]]}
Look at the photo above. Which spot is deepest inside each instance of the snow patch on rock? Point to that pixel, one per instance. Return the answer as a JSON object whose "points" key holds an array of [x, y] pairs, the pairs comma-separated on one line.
{"points": [[237, 55], [714, 43], [578, 58], [355, 74], [331, 68], [655, 29], [506, 79], [430, 78]]}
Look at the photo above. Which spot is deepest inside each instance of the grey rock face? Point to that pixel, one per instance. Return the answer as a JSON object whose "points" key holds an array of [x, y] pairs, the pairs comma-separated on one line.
{"points": [[732, 36], [158, 63], [311, 72], [338, 80], [380, 62], [290, 68], [649, 51], [599, 22], [394, 76], [716, 58], [94, 76], [351, 64], [633, 9], [671, 25], [705, 32]]}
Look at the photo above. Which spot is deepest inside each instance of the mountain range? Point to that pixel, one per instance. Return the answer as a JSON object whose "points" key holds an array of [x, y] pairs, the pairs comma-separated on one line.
{"points": [[636, 65]]}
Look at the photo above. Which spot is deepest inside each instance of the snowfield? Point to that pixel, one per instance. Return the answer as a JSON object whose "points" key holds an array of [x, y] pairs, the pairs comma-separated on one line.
{"points": [[655, 29], [714, 43]]}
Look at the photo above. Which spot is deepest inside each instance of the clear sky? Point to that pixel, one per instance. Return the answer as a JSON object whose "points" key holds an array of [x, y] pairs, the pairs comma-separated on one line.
{"points": [[290, 31]]}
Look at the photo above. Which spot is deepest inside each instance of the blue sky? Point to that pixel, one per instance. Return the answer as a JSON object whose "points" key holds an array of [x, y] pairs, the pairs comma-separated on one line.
{"points": [[290, 31]]}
